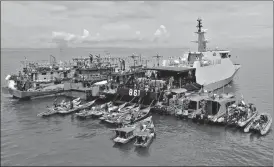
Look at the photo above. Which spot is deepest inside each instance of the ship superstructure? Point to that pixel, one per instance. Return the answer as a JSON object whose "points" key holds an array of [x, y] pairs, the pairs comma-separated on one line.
{"points": [[213, 68]]}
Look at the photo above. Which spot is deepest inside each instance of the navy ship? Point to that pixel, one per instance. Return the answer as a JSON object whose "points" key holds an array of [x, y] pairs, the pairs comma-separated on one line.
{"points": [[212, 69]]}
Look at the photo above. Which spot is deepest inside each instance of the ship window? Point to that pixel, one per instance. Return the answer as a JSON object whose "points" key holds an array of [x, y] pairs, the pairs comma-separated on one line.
{"points": [[44, 73], [223, 55]]}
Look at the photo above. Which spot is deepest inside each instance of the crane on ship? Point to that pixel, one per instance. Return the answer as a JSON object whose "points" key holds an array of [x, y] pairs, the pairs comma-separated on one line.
{"points": [[158, 59], [133, 56]]}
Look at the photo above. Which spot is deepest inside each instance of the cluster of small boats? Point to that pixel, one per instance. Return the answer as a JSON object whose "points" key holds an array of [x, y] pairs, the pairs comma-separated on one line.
{"points": [[132, 120], [219, 110]]}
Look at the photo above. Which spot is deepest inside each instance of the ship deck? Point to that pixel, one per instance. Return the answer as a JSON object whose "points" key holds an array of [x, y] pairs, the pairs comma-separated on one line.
{"points": [[171, 69]]}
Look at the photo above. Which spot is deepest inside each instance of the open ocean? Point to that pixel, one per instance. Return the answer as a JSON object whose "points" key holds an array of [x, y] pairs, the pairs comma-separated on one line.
{"points": [[30, 140]]}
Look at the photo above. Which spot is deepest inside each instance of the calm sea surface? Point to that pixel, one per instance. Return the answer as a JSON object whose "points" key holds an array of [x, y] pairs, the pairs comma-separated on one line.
{"points": [[29, 140]]}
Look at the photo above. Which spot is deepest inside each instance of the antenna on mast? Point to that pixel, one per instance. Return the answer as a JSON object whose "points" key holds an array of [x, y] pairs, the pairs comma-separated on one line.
{"points": [[199, 26], [201, 38]]}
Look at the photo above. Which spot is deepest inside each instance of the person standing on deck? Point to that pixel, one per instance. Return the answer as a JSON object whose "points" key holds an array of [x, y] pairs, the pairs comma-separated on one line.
{"points": [[55, 102], [106, 107], [91, 58], [71, 104], [171, 80]]}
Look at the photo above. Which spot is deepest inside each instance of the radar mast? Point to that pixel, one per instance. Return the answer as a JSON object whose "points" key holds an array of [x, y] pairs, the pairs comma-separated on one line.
{"points": [[201, 38]]}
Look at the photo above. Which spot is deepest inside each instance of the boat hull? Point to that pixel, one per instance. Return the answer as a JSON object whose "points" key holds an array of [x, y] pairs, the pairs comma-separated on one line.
{"points": [[76, 109], [29, 94], [123, 141], [266, 128], [243, 123], [221, 83], [147, 143], [253, 127]]}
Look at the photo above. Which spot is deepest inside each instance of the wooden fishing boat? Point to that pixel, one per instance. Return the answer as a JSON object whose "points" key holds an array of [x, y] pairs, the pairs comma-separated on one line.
{"points": [[262, 124], [193, 105], [126, 117], [239, 112], [251, 114], [142, 114], [128, 132], [51, 111], [178, 113], [77, 108], [204, 108], [38, 79], [84, 114], [124, 135], [94, 112], [137, 114], [145, 137], [225, 118], [116, 118], [112, 115], [216, 106], [62, 106]]}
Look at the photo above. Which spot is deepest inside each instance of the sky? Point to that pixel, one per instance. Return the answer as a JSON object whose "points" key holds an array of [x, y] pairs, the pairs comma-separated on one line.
{"points": [[43, 24]]}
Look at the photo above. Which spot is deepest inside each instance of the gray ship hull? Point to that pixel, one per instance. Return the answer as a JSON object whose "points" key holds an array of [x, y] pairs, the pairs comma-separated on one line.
{"points": [[221, 83]]}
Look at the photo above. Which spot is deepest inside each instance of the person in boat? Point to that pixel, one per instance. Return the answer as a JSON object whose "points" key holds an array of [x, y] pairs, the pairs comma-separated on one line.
{"points": [[243, 113], [131, 118], [151, 130], [263, 118], [106, 107], [143, 127], [71, 104], [55, 102], [91, 58]]}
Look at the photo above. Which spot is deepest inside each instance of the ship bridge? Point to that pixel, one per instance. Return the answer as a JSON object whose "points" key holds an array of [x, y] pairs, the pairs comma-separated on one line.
{"points": [[184, 77]]}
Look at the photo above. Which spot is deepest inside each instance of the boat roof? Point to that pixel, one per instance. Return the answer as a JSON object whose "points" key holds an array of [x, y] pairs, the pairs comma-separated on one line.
{"points": [[192, 87], [125, 129], [126, 73], [197, 97], [179, 90], [225, 97], [101, 82], [170, 68], [142, 133]]}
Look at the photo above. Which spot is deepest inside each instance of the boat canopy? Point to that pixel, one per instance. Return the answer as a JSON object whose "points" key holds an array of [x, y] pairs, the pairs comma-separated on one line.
{"points": [[178, 91], [142, 133], [198, 97], [156, 82], [222, 98], [192, 87], [125, 129], [101, 83]]}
